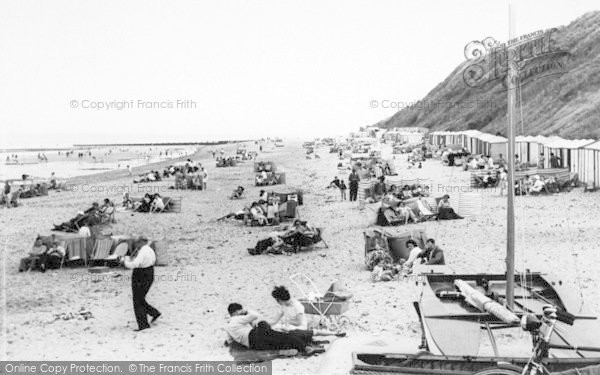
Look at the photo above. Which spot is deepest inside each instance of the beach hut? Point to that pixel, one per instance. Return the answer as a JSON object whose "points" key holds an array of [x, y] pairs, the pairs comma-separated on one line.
{"points": [[438, 138], [589, 161], [468, 139], [487, 144], [566, 150]]}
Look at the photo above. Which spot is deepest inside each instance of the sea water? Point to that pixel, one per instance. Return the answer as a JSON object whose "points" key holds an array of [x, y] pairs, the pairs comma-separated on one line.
{"points": [[102, 159]]}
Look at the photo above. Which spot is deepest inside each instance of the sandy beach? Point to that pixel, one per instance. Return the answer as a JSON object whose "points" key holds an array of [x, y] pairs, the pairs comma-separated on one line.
{"points": [[209, 266]]}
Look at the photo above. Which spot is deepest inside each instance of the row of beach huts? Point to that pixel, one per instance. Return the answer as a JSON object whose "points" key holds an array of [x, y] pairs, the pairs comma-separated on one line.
{"points": [[581, 156]]}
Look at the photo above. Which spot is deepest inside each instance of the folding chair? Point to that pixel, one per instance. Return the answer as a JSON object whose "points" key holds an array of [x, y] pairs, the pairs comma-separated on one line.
{"points": [[101, 249], [120, 251]]}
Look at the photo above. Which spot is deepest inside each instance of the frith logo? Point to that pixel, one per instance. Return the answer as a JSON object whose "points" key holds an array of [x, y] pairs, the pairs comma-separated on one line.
{"points": [[532, 56]]}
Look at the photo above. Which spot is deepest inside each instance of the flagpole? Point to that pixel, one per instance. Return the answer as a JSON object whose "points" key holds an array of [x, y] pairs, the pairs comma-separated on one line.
{"points": [[511, 104]]}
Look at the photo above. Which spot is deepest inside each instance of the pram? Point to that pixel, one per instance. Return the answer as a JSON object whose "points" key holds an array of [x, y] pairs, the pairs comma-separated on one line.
{"points": [[329, 306]]}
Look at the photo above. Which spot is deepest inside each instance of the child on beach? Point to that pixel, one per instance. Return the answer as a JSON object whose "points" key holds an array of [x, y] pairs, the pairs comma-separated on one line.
{"points": [[343, 189]]}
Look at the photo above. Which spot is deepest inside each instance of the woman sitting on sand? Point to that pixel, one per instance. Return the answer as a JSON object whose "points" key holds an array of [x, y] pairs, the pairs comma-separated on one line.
{"points": [[292, 318], [445, 211]]}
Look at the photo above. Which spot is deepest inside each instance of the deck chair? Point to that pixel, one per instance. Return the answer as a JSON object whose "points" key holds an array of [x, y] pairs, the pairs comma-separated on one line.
{"points": [[478, 181], [120, 251], [76, 251], [431, 214], [166, 203], [101, 249], [433, 204]]}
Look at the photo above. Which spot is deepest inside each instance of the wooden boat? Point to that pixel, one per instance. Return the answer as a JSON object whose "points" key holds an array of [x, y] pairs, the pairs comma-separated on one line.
{"points": [[441, 312]]}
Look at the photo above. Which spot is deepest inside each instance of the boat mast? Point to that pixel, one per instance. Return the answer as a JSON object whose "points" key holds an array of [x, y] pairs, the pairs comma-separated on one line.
{"points": [[510, 240]]}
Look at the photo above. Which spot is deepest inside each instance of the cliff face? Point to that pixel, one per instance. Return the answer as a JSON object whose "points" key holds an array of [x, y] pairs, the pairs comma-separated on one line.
{"points": [[560, 91]]}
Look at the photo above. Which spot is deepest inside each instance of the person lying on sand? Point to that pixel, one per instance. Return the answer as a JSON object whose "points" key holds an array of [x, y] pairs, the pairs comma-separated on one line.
{"points": [[238, 215], [245, 328], [292, 318]]}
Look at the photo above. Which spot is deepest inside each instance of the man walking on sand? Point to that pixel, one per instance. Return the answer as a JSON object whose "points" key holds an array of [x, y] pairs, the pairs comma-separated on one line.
{"points": [[353, 180], [141, 281]]}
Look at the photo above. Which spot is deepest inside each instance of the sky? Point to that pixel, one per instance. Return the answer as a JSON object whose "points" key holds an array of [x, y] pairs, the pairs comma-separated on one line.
{"points": [[200, 70]]}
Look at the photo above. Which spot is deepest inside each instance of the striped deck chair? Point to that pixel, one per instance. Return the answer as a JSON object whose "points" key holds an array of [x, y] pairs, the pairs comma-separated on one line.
{"points": [[427, 211], [433, 204], [101, 249], [77, 250]]}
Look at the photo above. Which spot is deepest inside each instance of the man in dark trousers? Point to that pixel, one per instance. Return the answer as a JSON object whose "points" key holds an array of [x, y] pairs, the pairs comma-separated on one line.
{"points": [[353, 180], [141, 281]]}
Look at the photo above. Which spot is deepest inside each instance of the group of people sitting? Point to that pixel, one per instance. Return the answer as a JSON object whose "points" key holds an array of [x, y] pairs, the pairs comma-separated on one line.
{"points": [[475, 162], [227, 162], [380, 262], [150, 176], [261, 212], [44, 256], [94, 215], [149, 203], [288, 239], [287, 332], [401, 206], [534, 185], [265, 178]]}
